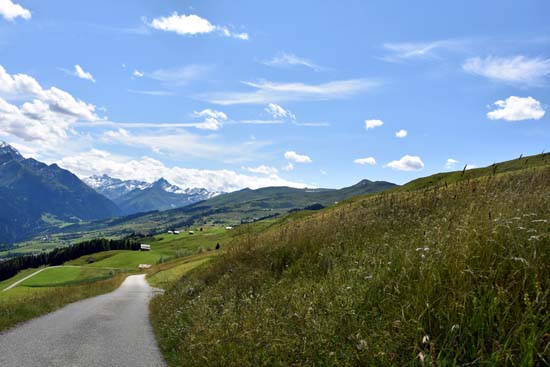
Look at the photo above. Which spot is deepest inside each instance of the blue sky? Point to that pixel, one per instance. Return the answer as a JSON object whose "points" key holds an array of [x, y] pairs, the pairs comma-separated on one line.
{"points": [[229, 94]]}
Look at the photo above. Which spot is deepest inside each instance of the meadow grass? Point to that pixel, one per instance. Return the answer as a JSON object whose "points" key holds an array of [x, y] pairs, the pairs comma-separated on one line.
{"points": [[455, 274], [164, 275]]}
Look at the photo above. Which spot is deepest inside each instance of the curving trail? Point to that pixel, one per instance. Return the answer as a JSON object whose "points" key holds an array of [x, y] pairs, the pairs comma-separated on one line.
{"points": [[108, 330]]}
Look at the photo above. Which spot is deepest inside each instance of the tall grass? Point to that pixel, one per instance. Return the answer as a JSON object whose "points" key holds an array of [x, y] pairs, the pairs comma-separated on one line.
{"points": [[450, 276]]}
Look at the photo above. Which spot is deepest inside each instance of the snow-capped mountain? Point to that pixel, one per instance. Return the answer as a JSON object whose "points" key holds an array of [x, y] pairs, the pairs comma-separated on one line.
{"points": [[114, 188], [134, 196]]}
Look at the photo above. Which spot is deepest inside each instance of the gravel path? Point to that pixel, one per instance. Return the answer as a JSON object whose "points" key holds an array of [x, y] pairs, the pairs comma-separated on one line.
{"points": [[108, 330]]}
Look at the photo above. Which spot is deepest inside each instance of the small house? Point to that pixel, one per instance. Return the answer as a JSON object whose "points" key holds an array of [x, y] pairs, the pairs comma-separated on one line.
{"points": [[191, 232], [145, 247], [144, 266], [171, 232], [228, 228], [176, 232]]}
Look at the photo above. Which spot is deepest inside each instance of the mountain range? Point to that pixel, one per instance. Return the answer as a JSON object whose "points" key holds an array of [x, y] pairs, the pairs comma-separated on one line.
{"points": [[38, 199], [134, 196], [34, 194]]}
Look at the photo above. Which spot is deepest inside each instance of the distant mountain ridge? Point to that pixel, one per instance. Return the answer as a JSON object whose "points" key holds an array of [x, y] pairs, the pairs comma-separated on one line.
{"points": [[133, 196], [31, 191], [233, 208]]}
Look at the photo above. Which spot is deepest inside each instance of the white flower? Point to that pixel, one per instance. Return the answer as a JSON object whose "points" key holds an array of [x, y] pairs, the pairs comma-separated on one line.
{"points": [[425, 339]]}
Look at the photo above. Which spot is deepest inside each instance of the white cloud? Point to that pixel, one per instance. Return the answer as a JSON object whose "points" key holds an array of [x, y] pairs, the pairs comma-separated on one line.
{"points": [[278, 112], [407, 163], [137, 73], [46, 114], [298, 158], [371, 124], [190, 25], [287, 59], [273, 92], [517, 109], [178, 143], [262, 169], [517, 69], [148, 169], [289, 167], [213, 120], [401, 133], [178, 76], [451, 163], [79, 72], [363, 161], [183, 24], [9, 10]]}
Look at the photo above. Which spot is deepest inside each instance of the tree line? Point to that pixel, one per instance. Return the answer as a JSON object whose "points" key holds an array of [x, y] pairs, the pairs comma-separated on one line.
{"points": [[58, 256]]}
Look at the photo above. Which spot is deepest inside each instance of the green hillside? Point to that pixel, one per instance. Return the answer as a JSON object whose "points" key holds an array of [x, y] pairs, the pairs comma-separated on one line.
{"points": [[229, 209], [453, 274]]}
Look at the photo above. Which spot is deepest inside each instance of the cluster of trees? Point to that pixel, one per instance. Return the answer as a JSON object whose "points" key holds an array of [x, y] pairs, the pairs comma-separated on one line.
{"points": [[58, 256]]}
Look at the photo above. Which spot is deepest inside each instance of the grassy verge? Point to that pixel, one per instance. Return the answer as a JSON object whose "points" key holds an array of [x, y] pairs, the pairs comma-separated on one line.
{"points": [[445, 276], [24, 303]]}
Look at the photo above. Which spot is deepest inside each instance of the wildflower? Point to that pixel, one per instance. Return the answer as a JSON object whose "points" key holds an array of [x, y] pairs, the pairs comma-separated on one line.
{"points": [[455, 327], [425, 339], [361, 345], [421, 356], [534, 238], [520, 259]]}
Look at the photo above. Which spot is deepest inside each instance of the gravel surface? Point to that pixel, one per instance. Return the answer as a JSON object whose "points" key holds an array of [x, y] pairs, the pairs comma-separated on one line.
{"points": [[108, 330]]}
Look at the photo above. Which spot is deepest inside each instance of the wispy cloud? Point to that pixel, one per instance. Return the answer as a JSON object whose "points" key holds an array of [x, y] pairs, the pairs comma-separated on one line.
{"points": [[400, 52], [451, 163], [284, 59], [160, 93], [517, 69], [191, 25], [178, 76], [278, 112], [273, 92], [178, 142], [80, 73]]}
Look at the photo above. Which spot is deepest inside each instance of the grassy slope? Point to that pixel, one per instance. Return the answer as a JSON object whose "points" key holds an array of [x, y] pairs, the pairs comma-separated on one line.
{"points": [[452, 275]]}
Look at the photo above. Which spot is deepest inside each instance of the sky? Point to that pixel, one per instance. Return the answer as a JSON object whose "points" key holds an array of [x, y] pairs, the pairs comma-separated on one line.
{"points": [[232, 94]]}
